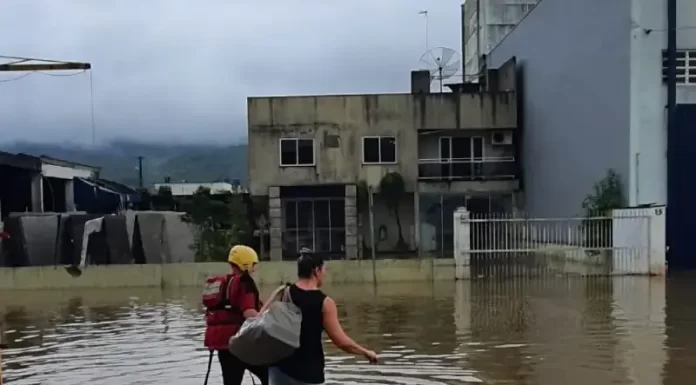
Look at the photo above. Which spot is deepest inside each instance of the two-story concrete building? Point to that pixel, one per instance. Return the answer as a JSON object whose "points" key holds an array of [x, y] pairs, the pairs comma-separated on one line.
{"points": [[308, 154]]}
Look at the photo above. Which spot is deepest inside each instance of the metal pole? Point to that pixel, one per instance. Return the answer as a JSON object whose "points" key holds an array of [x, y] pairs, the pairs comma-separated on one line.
{"points": [[370, 200], [442, 227], [672, 137], [463, 42], [2, 346], [427, 42], [140, 171]]}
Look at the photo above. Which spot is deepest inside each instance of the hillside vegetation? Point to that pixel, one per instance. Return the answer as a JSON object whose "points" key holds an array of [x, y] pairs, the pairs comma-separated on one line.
{"points": [[180, 162]]}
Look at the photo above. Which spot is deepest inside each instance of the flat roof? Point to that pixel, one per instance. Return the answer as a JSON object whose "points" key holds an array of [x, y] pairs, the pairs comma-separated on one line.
{"points": [[21, 161], [67, 163]]}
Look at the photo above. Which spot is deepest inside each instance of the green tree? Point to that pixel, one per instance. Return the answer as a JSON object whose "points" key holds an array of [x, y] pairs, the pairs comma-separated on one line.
{"points": [[220, 221], [164, 199], [145, 199], [392, 190], [607, 195]]}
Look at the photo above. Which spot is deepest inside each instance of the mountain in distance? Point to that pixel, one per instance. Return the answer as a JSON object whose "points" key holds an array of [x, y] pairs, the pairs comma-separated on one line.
{"points": [[119, 160]]}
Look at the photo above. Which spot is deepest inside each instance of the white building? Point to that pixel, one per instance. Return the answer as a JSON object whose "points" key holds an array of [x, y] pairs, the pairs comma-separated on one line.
{"points": [[53, 189], [186, 189], [594, 98], [484, 24]]}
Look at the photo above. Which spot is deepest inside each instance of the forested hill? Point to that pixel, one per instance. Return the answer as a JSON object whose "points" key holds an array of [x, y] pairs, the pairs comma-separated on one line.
{"points": [[119, 160]]}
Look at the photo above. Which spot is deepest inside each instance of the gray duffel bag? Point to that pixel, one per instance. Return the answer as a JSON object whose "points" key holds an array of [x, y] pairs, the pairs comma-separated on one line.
{"points": [[273, 335]]}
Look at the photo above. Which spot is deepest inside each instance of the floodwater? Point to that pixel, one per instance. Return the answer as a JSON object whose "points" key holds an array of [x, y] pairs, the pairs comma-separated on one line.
{"points": [[546, 331]]}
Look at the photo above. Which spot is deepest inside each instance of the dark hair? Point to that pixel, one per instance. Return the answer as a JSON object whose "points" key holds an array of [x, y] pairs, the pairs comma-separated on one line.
{"points": [[307, 264], [250, 287]]}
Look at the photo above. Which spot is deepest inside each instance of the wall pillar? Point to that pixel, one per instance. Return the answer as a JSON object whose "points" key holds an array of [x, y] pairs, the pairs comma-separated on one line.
{"points": [[462, 244], [351, 220], [70, 195], [416, 222], [37, 193], [275, 228]]}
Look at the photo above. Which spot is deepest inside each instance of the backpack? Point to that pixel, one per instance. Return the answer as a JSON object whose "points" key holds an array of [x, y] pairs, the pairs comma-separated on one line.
{"points": [[215, 292]]}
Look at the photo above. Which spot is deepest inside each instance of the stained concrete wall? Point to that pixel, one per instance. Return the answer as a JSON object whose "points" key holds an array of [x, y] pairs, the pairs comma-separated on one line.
{"points": [[193, 274], [337, 124]]}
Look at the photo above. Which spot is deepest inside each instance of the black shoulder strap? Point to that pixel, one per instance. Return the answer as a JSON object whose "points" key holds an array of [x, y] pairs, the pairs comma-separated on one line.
{"points": [[226, 290]]}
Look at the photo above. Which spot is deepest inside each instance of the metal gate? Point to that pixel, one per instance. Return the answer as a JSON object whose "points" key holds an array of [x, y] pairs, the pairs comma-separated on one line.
{"points": [[621, 243]]}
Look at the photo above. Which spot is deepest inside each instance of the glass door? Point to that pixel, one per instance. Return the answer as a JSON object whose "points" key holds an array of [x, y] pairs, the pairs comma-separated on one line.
{"points": [[461, 157], [445, 157]]}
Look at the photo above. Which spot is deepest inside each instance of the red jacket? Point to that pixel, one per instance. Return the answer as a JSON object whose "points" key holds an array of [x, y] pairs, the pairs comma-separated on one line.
{"points": [[222, 324]]}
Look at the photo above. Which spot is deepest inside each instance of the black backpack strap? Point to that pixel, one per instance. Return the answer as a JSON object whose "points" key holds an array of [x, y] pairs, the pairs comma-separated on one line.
{"points": [[226, 290]]}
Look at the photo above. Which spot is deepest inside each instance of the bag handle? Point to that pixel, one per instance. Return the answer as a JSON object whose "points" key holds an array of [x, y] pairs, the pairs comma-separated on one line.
{"points": [[279, 294], [286, 295]]}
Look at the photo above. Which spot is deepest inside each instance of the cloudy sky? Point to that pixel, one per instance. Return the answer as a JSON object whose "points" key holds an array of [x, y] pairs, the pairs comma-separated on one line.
{"points": [[180, 70]]}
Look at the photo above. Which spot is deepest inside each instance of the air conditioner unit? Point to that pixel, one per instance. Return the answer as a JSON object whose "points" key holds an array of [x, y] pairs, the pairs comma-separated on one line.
{"points": [[501, 138]]}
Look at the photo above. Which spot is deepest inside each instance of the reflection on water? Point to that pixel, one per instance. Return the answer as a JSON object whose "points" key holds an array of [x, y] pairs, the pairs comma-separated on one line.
{"points": [[547, 331]]}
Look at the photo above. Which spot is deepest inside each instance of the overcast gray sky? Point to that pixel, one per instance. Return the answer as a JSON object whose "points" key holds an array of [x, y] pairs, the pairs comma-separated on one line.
{"points": [[181, 69]]}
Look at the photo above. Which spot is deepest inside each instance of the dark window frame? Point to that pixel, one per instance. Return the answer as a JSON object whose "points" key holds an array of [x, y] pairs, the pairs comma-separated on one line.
{"points": [[380, 159], [297, 162]]}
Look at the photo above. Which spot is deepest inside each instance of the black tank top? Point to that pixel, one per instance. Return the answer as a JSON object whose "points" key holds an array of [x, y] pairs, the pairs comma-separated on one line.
{"points": [[306, 364]]}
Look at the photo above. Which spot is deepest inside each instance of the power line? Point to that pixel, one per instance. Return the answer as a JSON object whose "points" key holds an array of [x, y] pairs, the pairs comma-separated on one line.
{"points": [[20, 77], [91, 102], [91, 88], [61, 75]]}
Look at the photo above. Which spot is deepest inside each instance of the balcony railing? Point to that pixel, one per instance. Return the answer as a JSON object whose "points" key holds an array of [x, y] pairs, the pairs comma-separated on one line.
{"points": [[467, 169]]}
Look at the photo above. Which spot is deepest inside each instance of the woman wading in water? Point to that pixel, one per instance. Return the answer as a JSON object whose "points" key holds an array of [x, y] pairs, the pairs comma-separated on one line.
{"points": [[319, 313]]}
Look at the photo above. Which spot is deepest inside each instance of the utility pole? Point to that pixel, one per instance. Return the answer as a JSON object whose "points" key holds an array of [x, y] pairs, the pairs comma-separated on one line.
{"points": [[140, 170], [673, 166]]}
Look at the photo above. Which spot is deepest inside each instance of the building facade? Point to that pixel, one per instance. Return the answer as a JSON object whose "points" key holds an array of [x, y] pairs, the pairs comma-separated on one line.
{"points": [[485, 23], [309, 154], [594, 98]]}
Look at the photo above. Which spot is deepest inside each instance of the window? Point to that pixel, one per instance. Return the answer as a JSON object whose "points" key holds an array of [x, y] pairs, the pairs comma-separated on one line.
{"points": [[296, 152], [686, 67], [379, 150]]}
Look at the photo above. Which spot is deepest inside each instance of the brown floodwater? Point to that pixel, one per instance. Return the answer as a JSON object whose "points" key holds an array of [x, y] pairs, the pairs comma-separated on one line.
{"points": [[545, 331]]}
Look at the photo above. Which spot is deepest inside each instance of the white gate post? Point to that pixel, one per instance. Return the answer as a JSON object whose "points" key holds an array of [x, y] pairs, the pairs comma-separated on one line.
{"points": [[462, 244]]}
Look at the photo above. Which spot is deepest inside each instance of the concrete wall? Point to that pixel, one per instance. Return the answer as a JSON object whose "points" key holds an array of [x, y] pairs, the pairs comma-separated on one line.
{"points": [[338, 123], [194, 274], [486, 23], [384, 217], [574, 60], [649, 95]]}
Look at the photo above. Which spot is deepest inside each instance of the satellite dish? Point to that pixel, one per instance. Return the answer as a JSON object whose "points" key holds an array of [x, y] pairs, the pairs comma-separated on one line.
{"points": [[442, 62]]}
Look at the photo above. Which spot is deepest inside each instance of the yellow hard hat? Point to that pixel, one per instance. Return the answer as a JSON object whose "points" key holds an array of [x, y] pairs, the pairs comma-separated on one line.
{"points": [[244, 257]]}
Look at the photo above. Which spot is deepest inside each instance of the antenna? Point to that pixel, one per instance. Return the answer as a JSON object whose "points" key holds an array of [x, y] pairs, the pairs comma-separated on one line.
{"points": [[442, 62]]}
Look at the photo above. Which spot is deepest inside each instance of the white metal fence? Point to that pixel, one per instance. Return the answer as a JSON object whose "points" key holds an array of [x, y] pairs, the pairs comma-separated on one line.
{"points": [[628, 241]]}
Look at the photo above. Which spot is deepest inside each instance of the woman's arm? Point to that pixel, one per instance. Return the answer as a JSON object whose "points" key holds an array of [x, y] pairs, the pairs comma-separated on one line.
{"points": [[338, 336], [248, 305]]}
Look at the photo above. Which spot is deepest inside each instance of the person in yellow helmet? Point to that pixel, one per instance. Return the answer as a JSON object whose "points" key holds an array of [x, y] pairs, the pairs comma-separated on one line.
{"points": [[229, 300]]}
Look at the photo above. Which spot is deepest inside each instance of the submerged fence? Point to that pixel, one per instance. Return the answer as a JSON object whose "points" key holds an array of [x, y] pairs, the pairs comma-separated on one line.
{"points": [[628, 241]]}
